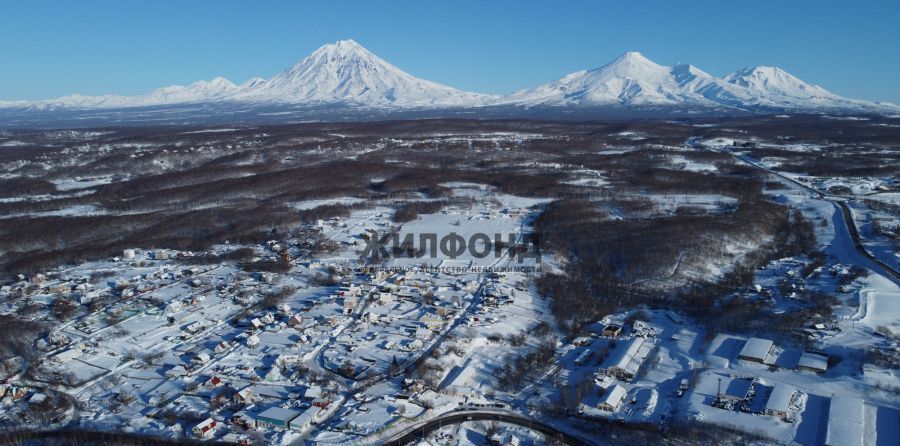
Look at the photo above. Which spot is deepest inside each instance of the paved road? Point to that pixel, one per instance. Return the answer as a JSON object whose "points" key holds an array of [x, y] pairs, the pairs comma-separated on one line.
{"points": [[847, 217], [477, 297], [840, 202], [418, 431]]}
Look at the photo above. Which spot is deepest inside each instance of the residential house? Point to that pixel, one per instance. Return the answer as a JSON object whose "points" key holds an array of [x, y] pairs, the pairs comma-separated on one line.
{"points": [[215, 382], [176, 371], [295, 320], [349, 304], [313, 392], [582, 341], [612, 330], [205, 428], [244, 397], [201, 358], [423, 333], [238, 439]]}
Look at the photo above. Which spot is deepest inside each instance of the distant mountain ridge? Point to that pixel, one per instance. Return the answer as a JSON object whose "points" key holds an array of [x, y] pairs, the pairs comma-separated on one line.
{"points": [[345, 74], [634, 80]]}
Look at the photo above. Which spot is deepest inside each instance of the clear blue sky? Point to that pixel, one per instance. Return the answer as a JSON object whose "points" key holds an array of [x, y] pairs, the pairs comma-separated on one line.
{"points": [[53, 48]]}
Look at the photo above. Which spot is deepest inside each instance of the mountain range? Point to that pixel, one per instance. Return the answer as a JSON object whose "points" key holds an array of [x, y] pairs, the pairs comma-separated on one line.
{"points": [[345, 74]]}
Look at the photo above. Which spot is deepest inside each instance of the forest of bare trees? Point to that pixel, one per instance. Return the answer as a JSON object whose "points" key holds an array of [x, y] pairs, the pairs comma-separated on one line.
{"points": [[165, 188]]}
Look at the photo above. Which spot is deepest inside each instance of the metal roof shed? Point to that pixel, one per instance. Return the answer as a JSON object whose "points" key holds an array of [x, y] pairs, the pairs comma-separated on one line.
{"points": [[779, 403], [612, 398], [276, 416], [813, 362], [756, 350], [845, 422]]}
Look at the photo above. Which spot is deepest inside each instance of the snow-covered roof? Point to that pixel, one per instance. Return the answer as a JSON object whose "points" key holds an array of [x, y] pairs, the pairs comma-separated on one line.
{"points": [[312, 392], [66, 355], [813, 361], [756, 348], [279, 414], [246, 392], [629, 357], [305, 418], [613, 395], [845, 421], [206, 423], [780, 398], [738, 388]]}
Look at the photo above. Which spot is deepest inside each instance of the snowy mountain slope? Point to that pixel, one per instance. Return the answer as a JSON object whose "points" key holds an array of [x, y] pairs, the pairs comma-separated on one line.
{"points": [[631, 79], [252, 83], [345, 74], [341, 73], [10, 104], [694, 81], [774, 87], [634, 80], [200, 91]]}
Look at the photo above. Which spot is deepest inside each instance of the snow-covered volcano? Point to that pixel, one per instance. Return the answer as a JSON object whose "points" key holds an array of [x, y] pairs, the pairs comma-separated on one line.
{"points": [[774, 87], [634, 80], [338, 73], [345, 74], [218, 89]]}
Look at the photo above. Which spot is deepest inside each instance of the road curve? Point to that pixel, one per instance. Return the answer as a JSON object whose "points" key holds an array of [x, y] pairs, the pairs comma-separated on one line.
{"points": [[846, 216], [457, 417], [854, 235]]}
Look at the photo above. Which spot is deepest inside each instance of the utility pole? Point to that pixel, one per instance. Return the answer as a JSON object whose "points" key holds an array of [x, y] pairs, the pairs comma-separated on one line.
{"points": [[719, 390]]}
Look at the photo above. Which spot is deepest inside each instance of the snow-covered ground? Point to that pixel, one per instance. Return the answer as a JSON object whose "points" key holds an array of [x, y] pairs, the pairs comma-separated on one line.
{"points": [[880, 304], [66, 184], [369, 349], [346, 73], [311, 204]]}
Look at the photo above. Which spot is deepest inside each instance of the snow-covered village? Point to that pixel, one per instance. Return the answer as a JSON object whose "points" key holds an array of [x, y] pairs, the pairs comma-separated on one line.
{"points": [[229, 224], [311, 335]]}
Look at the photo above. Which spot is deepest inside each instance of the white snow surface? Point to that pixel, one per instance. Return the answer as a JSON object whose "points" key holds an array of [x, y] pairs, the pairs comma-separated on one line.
{"points": [[633, 79], [200, 91], [342, 72], [346, 73]]}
